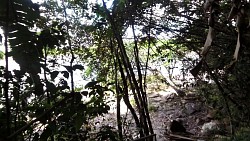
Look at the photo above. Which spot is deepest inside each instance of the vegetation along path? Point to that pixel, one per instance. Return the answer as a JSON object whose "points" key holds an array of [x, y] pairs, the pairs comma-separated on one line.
{"points": [[176, 68]]}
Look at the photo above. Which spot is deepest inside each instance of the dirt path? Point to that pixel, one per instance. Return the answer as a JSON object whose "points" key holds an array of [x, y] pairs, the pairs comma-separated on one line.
{"points": [[169, 107], [164, 106]]}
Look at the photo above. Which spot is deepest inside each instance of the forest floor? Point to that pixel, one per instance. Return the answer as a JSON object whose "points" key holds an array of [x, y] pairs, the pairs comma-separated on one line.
{"points": [[164, 107], [189, 110]]}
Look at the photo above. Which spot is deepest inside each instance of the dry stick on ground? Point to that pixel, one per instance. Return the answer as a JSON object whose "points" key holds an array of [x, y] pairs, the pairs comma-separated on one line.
{"points": [[180, 137], [149, 137]]}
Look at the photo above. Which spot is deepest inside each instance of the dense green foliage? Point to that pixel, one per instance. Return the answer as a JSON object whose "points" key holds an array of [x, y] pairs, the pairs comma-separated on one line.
{"points": [[53, 40]]}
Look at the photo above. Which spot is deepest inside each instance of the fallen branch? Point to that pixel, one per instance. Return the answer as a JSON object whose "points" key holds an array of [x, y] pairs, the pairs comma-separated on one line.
{"points": [[180, 137], [150, 137]]}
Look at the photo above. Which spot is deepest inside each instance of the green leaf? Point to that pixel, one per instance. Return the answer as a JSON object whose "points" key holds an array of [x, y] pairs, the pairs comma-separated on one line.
{"points": [[91, 84], [69, 68], [54, 74], [65, 74], [36, 137], [79, 121], [85, 93], [46, 133], [80, 67], [51, 87], [78, 97], [1, 39], [52, 125]]}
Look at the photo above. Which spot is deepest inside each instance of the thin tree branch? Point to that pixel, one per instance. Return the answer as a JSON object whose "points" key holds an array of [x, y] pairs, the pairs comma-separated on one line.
{"points": [[6, 75], [224, 95], [118, 93], [125, 95], [70, 48]]}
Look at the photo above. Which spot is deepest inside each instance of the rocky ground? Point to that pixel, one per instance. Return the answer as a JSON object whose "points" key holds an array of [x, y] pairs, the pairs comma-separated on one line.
{"points": [[189, 110], [166, 106]]}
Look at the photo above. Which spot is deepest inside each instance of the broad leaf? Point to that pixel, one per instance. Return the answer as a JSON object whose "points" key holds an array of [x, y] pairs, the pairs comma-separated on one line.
{"points": [[54, 74], [85, 93], [65, 74], [80, 67], [91, 84], [69, 68], [46, 133], [79, 120]]}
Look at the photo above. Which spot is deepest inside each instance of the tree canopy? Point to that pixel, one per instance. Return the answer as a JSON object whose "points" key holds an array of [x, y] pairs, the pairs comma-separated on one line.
{"points": [[117, 45]]}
